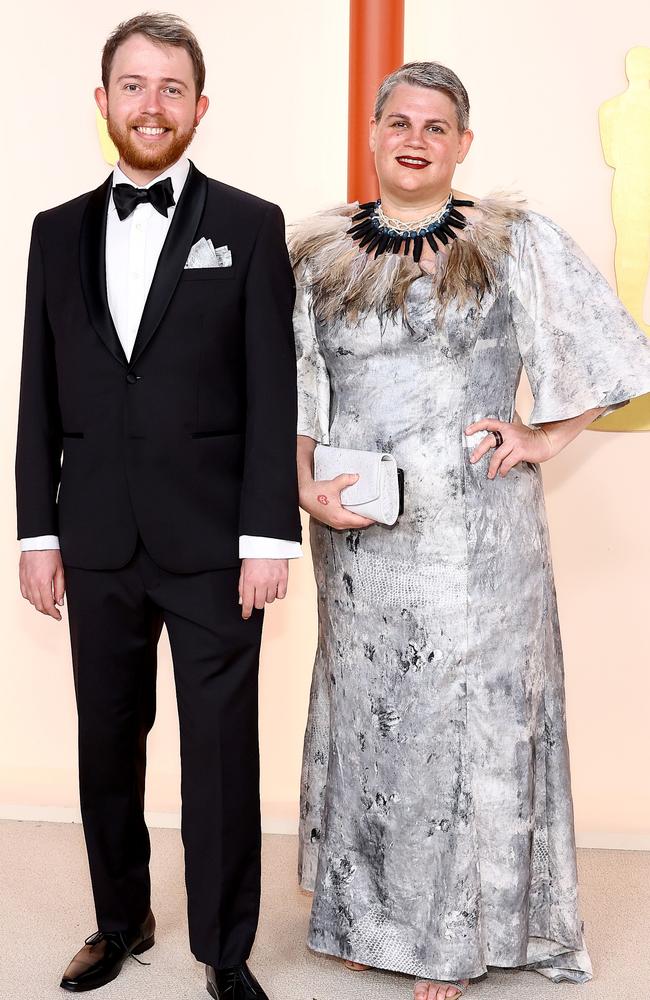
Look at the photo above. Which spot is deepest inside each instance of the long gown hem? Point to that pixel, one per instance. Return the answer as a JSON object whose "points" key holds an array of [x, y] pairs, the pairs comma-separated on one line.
{"points": [[447, 975], [547, 964]]}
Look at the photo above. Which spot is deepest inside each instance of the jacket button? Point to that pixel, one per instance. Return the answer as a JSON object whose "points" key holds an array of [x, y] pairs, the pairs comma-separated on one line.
{"points": [[131, 378]]}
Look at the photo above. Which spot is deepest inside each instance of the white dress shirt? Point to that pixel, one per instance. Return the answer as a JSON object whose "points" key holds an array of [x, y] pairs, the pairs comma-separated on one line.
{"points": [[133, 247]]}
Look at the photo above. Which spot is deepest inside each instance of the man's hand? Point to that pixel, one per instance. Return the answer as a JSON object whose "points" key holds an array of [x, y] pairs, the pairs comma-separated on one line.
{"points": [[42, 582], [260, 582]]}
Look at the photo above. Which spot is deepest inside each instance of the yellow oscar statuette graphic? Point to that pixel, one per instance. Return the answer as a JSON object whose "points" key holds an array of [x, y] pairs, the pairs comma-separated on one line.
{"points": [[109, 151], [625, 136]]}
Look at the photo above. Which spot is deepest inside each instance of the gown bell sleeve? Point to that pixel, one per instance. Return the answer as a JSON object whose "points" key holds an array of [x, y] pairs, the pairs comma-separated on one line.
{"points": [[313, 377], [580, 347]]}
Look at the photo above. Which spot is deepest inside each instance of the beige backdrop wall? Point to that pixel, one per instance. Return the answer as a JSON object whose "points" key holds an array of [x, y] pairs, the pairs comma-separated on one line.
{"points": [[277, 78]]}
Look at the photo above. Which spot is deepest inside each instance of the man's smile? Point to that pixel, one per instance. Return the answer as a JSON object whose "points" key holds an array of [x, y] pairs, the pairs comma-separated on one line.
{"points": [[150, 131]]}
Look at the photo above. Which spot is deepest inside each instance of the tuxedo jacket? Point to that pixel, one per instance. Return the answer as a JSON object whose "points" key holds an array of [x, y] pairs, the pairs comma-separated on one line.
{"points": [[189, 443]]}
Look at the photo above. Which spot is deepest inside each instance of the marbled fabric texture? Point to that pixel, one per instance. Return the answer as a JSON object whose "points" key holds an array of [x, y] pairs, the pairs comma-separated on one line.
{"points": [[436, 814]]}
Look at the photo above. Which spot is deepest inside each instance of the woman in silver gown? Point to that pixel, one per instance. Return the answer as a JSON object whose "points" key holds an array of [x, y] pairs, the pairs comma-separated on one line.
{"points": [[436, 814]]}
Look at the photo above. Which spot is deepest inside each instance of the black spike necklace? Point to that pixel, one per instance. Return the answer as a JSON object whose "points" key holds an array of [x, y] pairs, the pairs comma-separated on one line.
{"points": [[373, 230]]}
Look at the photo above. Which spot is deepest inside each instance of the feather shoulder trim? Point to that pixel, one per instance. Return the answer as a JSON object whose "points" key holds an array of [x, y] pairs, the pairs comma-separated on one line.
{"points": [[345, 281]]}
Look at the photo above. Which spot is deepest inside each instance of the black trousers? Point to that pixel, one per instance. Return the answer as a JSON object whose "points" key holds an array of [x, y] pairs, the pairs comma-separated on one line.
{"points": [[116, 617]]}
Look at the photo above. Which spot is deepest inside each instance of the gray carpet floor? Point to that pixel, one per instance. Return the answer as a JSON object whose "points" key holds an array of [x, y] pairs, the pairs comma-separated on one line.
{"points": [[46, 911]]}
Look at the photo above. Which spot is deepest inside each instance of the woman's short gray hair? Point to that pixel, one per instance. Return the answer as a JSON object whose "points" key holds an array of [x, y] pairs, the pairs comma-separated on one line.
{"points": [[433, 75]]}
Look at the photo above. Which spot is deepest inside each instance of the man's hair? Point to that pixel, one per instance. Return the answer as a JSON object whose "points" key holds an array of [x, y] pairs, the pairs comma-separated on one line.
{"points": [[433, 75], [161, 29]]}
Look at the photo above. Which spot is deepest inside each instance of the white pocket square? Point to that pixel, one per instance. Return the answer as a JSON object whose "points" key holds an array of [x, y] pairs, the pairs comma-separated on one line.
{"points": [[204, 254]]}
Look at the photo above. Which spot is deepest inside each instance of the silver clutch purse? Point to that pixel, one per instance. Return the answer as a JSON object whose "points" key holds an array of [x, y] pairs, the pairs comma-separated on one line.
{"points": [[378, 492]]}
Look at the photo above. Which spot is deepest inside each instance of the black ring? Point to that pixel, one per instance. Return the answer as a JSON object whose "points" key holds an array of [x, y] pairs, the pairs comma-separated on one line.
{"points": [[498, 436]]}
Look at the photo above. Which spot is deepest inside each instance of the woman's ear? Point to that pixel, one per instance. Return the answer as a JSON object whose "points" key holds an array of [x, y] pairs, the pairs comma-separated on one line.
{"points": [[466, 140], [372, 142]]}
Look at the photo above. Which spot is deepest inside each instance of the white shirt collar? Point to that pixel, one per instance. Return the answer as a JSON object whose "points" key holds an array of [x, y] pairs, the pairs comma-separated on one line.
{"points": [[177, 172]]}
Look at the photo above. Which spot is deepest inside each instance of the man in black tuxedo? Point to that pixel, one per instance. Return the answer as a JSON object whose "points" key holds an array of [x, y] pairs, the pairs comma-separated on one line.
{"points": [[158, 358]]}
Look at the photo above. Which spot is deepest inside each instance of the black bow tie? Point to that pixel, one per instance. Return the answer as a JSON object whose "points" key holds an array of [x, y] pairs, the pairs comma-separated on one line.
{"points": [[126, 197]]}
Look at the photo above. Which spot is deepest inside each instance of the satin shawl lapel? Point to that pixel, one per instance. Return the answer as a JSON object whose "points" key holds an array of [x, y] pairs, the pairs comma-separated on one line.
{"points": [[92, 263], [177, 245]]}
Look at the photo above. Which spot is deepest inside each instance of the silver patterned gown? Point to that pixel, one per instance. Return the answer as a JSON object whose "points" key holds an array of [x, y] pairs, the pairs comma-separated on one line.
{"points": [[436, 814]]}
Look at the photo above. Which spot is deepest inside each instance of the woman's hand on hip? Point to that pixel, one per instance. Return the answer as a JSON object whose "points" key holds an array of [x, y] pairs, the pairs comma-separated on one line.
{"points": [[519, 443], [322, 499]]}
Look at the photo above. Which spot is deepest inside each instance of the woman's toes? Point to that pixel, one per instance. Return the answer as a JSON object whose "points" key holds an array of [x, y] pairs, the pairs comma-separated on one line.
{"points": [[436, 991]]}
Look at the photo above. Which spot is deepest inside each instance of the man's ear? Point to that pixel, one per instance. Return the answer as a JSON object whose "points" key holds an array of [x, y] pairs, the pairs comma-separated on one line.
{"points": [[202, 106], [101, 100]]}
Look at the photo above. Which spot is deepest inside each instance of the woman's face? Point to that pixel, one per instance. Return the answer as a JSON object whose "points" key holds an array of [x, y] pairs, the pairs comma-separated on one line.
{"points": [[417, 145]]}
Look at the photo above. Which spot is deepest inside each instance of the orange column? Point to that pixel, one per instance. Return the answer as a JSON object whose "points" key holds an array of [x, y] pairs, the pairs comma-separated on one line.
{"points": [[376, 49]]}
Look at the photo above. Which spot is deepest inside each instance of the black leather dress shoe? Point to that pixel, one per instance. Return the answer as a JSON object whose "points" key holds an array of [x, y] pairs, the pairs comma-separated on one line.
{"points": [[103, 955], [237, 983]]}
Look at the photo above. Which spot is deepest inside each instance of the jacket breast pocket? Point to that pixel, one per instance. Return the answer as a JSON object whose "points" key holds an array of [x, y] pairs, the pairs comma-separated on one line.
{"points": [[208, 274]]}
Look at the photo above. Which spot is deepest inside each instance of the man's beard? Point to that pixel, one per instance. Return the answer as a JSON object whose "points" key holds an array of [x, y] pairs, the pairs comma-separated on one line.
{"points": [[139, 158]]}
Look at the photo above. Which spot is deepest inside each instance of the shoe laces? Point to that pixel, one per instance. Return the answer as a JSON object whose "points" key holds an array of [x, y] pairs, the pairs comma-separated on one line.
{"points": [[114, 936], [231, 978]]}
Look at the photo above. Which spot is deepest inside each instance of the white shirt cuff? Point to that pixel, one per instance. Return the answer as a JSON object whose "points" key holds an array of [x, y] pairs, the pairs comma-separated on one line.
{"points": [[39, 542], [250, 546], [257, 547]]}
